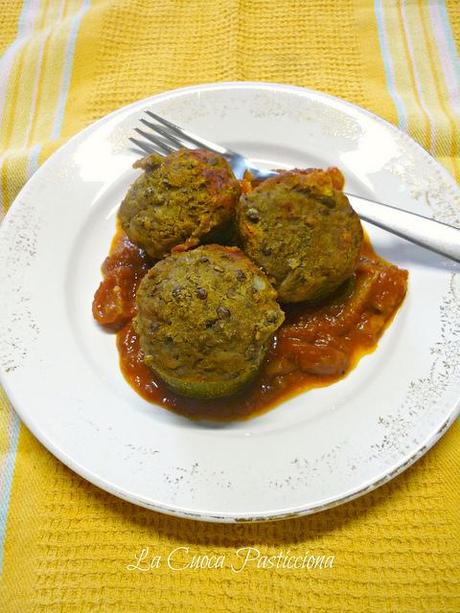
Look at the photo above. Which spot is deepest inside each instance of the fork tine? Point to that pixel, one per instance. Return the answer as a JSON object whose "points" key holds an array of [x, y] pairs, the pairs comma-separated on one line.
{"points": [[165, 122], [188, 136], [146, 147], [167, 135], [156, 141]]}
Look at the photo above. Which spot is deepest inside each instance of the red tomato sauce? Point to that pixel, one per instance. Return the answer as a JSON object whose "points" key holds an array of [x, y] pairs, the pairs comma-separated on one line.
{"points": [[314, 347]]}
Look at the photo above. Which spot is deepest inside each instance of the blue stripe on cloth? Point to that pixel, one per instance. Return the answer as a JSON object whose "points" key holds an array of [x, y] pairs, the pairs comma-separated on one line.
{"points": [[449, 37], [68, 63], [402, 118], [22, 22], [33, 159], [8, 468]]}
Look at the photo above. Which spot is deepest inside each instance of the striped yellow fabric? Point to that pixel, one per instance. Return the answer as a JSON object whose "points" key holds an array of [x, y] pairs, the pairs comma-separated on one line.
{"points": [[66, 546]]}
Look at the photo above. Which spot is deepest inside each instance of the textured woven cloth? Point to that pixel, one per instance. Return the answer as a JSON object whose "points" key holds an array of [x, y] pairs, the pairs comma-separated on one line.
{"points": [[64, 544]]}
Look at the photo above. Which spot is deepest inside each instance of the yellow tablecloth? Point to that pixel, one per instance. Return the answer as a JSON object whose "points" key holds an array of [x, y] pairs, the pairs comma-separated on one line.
{"points": [[65, 545]]}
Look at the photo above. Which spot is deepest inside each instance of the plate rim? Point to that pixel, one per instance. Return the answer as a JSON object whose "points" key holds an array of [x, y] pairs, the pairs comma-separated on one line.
{"points": [[178, 511]]}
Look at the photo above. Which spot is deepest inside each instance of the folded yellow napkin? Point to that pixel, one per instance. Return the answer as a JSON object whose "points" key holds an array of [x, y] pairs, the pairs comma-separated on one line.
{"points": [[67, 546]]}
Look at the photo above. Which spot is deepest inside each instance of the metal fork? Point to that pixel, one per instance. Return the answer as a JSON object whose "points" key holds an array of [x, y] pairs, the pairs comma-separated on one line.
{"points": [[164, 137]]}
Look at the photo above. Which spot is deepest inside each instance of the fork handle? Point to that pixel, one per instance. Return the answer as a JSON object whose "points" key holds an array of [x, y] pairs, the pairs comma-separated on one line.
{"points": [[423, 231]]}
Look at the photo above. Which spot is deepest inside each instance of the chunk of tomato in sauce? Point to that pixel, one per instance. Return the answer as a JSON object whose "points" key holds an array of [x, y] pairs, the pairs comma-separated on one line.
{"points": [[114, 302]]}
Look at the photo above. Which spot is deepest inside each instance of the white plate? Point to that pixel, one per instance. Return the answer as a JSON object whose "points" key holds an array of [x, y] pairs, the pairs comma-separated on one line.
{"points": [[314, 451]]}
